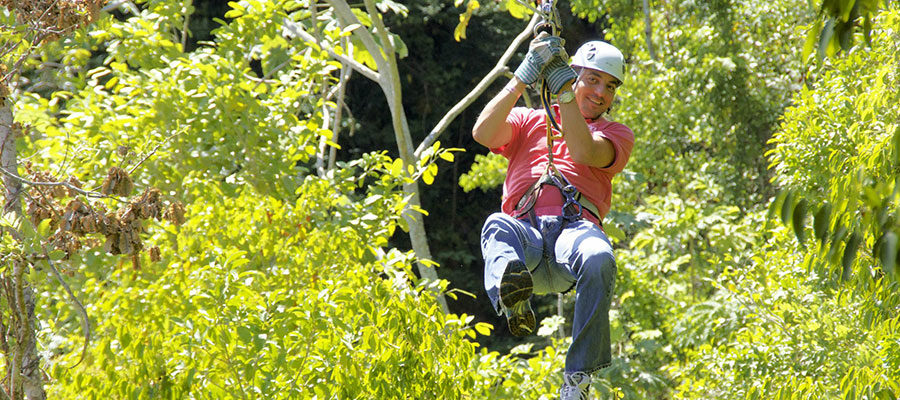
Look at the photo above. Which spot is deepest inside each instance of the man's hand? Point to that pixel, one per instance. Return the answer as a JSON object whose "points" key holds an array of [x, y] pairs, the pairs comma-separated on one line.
{"points": [[559, 74], [542, 49]]}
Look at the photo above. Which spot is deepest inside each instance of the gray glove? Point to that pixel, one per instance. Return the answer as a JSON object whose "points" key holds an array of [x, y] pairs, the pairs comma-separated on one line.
{"points": [[542, 49], [558, 73]]}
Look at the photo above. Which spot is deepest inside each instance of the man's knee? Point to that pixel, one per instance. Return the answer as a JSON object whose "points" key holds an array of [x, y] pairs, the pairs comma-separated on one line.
{"points": [[497, 222], [599, 265]]}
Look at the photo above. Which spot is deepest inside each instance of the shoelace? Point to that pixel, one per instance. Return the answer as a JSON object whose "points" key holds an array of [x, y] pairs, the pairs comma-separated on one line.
{"points": [[576, 384]]}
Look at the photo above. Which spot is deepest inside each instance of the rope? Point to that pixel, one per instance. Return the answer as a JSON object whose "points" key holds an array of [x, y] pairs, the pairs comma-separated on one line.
{"points": [[572, 209]]}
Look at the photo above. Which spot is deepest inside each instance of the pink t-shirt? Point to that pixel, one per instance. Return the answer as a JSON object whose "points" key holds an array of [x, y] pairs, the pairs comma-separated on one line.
{"points": [[527, 155]]}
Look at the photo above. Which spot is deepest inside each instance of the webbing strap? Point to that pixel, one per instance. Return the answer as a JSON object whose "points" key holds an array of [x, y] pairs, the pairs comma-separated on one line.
{"points": [[572, 207]]}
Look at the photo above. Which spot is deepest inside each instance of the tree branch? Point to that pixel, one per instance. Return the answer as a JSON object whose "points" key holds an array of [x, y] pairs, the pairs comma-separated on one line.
{"points": [[342, 86], [152, 152], [184, 27], [85, 320], [499, 70], [381, 30], [298, 31], [347, 18], [67, 185]]}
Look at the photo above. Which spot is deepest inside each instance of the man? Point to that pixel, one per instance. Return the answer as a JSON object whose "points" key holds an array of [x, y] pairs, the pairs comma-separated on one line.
{"points": [[544, 241]]}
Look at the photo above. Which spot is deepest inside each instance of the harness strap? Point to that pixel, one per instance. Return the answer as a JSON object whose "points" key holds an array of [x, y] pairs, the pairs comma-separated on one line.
{"points": [[572, 207]]}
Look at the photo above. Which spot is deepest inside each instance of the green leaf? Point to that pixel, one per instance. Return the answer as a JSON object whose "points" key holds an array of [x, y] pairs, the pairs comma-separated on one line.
{"points": [[836, 240], [798, 220], [888, 253], [774, 206], [43, 228], [825, 39], [459, 32], [820, 222], [517, 10], [244, 333], [397, 168], [614, 232], [483, 328], [850, 251], [399, 46], [897, 146], [787, 208], [811, 37]]}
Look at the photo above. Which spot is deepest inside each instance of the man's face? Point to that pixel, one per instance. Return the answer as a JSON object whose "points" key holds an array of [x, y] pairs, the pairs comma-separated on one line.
{"points": [[594, 92]]}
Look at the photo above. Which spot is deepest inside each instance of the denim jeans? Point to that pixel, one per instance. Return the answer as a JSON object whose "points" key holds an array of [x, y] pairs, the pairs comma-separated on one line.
{"points": [[579, 255]]}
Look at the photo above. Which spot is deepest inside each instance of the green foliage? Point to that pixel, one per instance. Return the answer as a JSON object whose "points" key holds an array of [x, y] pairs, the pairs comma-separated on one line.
{"points": [[279, 284], [209, 117], [837, 147], [843, 18], [487, 172], [286, 285], [817, 321], [276, 317]]}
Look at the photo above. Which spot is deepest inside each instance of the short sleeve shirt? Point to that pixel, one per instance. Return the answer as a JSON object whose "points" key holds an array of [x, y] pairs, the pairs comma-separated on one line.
{"points": [[527, 155]]}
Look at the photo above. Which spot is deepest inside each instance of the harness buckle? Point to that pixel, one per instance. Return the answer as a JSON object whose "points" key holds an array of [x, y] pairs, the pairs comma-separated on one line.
{"points": [[572, 209]]}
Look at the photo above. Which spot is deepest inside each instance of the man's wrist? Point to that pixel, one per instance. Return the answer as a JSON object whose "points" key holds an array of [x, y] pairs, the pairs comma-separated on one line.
{"points": [[515, 86], [566, 96]]}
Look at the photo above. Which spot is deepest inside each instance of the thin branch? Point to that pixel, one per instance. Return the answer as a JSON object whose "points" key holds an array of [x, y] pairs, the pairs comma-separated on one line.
{"points": [[345, 78], [297, 30], [5, 395], [500, 69], [347, 18], [326, 119], [152, 152], [85, 320], [67, 185], [64, 165], [184, 29], [382, 30], [265, 79]]}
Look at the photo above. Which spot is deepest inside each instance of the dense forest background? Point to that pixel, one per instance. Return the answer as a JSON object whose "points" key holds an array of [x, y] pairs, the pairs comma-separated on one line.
{"points": [[221, 200]]}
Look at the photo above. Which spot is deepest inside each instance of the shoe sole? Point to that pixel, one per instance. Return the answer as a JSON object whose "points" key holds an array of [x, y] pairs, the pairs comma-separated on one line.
{"points": [[516, 287]]}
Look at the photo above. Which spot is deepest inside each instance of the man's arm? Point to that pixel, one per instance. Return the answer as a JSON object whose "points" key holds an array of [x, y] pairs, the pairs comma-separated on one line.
{"points": [[491, 128], [584, 148]]}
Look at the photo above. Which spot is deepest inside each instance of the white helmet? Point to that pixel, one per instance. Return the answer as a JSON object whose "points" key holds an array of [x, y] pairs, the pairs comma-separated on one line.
{"points": [[601, 56]]}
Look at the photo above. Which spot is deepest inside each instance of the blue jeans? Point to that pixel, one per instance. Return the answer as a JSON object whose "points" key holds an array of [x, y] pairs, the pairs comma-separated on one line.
{"points": [[579, 256]]}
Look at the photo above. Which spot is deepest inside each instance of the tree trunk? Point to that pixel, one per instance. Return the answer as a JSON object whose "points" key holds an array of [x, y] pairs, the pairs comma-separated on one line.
{"points": [[417, 234], [26, 362], [388, 78], [8, 159]]}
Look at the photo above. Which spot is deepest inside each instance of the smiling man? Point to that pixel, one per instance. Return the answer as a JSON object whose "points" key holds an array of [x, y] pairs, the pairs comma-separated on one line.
{"points": [[549, 237]]}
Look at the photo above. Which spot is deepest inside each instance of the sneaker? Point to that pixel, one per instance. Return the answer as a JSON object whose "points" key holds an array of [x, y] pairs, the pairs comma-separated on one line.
{"points": [[575, 386], [515, 296]]}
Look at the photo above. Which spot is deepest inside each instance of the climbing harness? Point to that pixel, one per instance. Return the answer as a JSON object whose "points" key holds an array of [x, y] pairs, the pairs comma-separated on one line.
{"points": [[572, 208]]}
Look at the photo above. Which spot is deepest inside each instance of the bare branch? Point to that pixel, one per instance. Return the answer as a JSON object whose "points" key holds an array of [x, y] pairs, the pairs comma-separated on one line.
{"points": [[297, 30], [342, 86], [347, 18], [500, 69], [67, 185], [184, 31], [85, 321], [381, 30], [152, 152]]}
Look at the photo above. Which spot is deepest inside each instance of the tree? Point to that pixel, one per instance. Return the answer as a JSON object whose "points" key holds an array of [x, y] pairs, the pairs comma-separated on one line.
{"points": [[26, 26], [382, 50]]}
